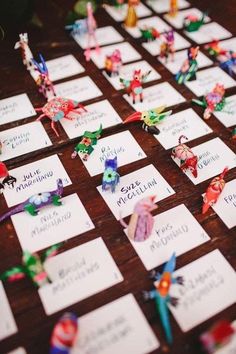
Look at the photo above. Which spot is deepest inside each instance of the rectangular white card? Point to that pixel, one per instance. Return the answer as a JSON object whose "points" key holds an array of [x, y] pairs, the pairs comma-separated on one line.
{"points": [[7, 323], [207, 79], [19, 350], [35, 177], [134, 186], [175, 65], [23, 139], [164, 5], [52, 225], [154, 47], [207, 290], [175, 230], [178, 20], [123, 145], [63, 67], [208, 33], [123, 329], [228, 115], [185, 122], [127, 71], [81, 89], [128, 53], [104, 35], [120, 13], [213, 156], [15, 108], [154, 21], [77, 274], [155, 96], [225, 207], [97, 113]]}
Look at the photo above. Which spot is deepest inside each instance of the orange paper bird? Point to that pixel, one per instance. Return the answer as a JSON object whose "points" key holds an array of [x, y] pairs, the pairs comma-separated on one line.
{"points": [[213, 191]]}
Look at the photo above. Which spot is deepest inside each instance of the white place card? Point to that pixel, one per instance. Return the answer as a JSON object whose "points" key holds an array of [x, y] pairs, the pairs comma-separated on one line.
{"points": [[228, 116], [97, 113], [7, 324], [213, 156], [123, 145], [225, 207], [81, 89], [15, 108], [52, 225], [175, 65], [104, 35], [23, 139], [133, 187], [229, 44], [35, 177], [123, 329], [154, 47], [207, 290], [164, 5], [76, 274], [128, 53], [185, 122], [207, 79], [19, 350], [63, 67], [127, 71], [119, 14], [156, 96], [178, 20], [174, 230], [156, 22], [208, 33]]}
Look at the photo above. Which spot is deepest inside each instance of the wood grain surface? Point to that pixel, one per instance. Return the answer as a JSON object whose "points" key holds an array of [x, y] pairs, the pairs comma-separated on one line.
{"points": [[34, 326]]}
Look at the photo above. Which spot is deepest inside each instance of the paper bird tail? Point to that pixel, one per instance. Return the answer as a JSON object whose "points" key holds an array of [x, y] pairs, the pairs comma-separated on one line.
{"points": [[164, 316], [11, 212], [198, 102]]}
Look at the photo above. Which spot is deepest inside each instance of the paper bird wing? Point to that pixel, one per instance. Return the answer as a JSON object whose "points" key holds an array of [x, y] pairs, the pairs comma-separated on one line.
{"points": [[15, 273], [161, 116], [199, 103], [125, 83], [164, 317], [51, 252]]}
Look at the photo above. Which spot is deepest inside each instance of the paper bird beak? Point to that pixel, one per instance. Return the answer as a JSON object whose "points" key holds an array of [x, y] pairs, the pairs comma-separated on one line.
{"points": [[133, 117]]}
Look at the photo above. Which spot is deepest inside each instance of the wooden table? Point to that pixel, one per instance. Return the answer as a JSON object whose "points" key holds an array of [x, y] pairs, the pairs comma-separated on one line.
{"points": [[34, 326]]}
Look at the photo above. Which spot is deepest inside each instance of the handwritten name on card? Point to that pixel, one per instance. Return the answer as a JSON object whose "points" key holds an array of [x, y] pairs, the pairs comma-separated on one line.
{"points": [[174, 230], [178, 20], [133, 187], [208, 32], [63, 67], [207, 79], [123, 145], [127, 72], [15, 108], [154, 47], [186, 122], [35, 177], [155, 22], [7, 323], [119, 14], [226, 204], [213, 157], [228, 116], [23, 139], [97, 113], [208, 289], [180, 57], [77, 274], [104, 35], [128, 53], [164, 5], [155, 96], [82, 89], [52, 225], [123, 329]]}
